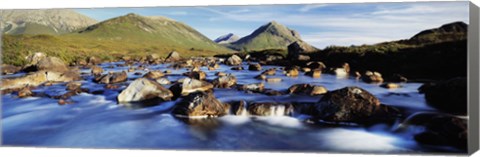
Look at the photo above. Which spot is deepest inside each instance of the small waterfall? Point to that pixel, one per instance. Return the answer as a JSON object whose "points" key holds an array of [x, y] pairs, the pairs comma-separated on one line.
{"points": [[277, 110]]}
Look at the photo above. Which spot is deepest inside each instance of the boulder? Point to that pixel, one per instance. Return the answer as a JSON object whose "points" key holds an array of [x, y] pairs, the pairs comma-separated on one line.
{"points": [[233, 60], [144, 89], [9, 69], [173, 57], [38, 78], [437, 129], [110, 78], [270, 109], [94, 60], [307, 89], [48, 64], [154, 74], [213, 66], [163, 81], [190, 85], [398, 78], [449, 96], [314, 73], [298, 51], [199, 75], [33, 59], [96, 70], [152, 57], [353, 104], [225, 81], [199, 104], [261, 77], [255, 67], [220, 74], [372, 77]]}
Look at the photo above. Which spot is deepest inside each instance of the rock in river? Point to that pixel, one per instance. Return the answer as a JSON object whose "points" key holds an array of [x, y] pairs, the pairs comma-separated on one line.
{"points": [[255, 67], [173, 56], [201, 104], [144, 89], [233, 60], [154, 74], [225, 81], [307, 89], [47, 63], [449, 96], [353, 104], [96, 70], [38, 78], [372, 77], [270, 109], [112, 78], [190, 85]]}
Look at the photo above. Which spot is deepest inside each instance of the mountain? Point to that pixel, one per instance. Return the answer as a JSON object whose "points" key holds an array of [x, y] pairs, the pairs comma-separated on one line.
{"points": [[269, 36], [51, 21], [227, 39], [450, 31], [130, 34]]}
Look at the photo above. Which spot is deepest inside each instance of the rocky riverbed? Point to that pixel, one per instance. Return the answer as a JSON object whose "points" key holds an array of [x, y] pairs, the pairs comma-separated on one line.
{"points": [[228, 103]]}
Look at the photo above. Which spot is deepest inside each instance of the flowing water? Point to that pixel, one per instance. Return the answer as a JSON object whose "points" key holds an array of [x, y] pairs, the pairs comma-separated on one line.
{"points": [[96, 121]]}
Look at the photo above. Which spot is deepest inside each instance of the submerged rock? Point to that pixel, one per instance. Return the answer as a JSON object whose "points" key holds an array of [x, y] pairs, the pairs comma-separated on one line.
{"points": [[24, 92], [225, 81], [390, 85], [270, 71], [274, 80], [71, 86], [255, 87], [437, 129], [112, 78], [270, 109], [449, 96], [144, 89], [292, 72], [307, 89], [255, 67], [353, 104], [199, 104]]}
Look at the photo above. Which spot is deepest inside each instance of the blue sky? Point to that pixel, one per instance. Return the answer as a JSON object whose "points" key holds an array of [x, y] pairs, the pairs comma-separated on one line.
{"points": [[319, 24]]}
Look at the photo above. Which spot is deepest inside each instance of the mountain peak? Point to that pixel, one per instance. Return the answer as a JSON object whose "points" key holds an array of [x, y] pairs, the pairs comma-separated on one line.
{"points": [[227, 39], [271, 35]]}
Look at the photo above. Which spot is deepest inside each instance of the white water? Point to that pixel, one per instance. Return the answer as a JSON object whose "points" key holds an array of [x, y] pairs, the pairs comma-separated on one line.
{"points": [[96, 121]]}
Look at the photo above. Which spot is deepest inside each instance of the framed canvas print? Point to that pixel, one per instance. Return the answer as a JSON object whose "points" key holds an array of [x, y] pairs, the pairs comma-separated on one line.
{"points": [[387, 78]]}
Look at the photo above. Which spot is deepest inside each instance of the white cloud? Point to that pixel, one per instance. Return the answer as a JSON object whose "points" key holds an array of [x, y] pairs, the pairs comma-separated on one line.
{"points": [[307, 8], [367, 27]]}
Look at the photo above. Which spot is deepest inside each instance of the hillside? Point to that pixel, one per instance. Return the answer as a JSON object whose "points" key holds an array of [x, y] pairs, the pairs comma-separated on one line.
{"points": [[272, 35], [130, 34], [437, 53], [50, 21]]}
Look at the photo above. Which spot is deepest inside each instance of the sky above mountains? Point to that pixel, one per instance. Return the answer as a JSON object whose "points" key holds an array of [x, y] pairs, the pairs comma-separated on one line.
{"points": [[318, 24]]}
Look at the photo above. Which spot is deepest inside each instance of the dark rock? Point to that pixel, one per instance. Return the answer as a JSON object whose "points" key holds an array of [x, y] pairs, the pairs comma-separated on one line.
{"points": [[353, 104], [390, 85], [237, 68], [316, 66], [239, 108], [314, 73], [449, 96], [199, 75], [255, 67], [199, 104], [438, 129], [299, 51]]}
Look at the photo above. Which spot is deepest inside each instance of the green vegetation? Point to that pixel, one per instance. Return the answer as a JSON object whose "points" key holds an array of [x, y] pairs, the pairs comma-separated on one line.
{"points": [[131, 35]]}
